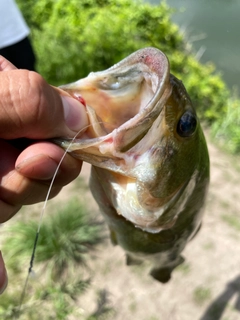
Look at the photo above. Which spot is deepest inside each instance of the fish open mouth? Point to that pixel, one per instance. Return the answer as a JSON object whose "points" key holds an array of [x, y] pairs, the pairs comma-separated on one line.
{"points": [[124, 105], [122, 102], [112, 99]]}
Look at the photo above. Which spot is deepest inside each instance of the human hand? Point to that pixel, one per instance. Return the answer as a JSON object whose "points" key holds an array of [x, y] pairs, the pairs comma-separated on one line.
{"points": [[31, 108]]}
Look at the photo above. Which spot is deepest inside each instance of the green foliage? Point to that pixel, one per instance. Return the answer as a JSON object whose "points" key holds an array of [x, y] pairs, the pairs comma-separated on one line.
{"points": [[227, 128], [77, 31], [73, 38], [65, 237]]}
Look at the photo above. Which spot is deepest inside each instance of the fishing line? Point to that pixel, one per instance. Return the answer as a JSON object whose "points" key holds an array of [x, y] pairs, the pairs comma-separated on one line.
{"points": [[40, 222], [30, 269]]}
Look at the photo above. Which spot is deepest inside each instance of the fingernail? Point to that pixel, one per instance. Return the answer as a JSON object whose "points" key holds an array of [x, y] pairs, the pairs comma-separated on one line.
{"points": [[36, 166], [3, 275], [74, 113]]}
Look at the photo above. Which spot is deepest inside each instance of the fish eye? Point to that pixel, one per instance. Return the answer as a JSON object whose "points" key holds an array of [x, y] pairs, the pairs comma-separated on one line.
{"points": [[187, 124]]}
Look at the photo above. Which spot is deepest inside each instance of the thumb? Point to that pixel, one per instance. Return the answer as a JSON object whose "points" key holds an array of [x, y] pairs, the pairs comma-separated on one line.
{"points": [[74, 112], [31, 108]]}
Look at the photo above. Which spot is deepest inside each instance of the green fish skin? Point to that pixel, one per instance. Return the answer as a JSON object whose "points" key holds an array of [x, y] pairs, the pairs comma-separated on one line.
{"points": [[150, 163]]}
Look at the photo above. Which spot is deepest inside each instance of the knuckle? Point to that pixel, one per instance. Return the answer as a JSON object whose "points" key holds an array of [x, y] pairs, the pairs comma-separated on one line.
{"points": [[36, 89], [39, 98]]}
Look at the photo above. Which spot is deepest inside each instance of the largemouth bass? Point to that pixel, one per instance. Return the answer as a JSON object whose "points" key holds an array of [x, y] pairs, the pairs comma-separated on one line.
{"points": [[150, 164]]}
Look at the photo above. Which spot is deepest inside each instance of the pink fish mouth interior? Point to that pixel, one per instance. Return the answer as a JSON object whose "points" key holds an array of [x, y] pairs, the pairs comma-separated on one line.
{"points": [[112, 100], [125, 99]]}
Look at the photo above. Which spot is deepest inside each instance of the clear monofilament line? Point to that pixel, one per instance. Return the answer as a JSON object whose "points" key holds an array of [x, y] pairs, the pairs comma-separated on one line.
{"points": [[40, 223]]}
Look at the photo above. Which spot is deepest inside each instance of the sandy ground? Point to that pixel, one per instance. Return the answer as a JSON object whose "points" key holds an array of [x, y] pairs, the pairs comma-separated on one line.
{"points": [[205, 287]]}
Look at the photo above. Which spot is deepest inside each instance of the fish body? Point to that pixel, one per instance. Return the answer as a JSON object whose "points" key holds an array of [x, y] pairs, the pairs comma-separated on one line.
{"points": [[150, 164]]}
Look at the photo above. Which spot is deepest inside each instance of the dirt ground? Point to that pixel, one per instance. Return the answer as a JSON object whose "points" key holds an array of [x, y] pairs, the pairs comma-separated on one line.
{"points": [[205, 287]]}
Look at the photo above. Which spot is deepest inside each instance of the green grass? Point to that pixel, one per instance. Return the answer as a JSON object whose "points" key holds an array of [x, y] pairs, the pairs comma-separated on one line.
{"points": [[224, 204], [104, 310], [132, 306], [8, 305], [209, 246], [185, 268], [201, 295], [232, 221], [66, 236]]}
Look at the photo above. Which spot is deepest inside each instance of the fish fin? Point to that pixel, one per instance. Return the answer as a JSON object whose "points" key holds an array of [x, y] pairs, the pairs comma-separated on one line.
{"points": [[131, 261], [163, 275]]}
